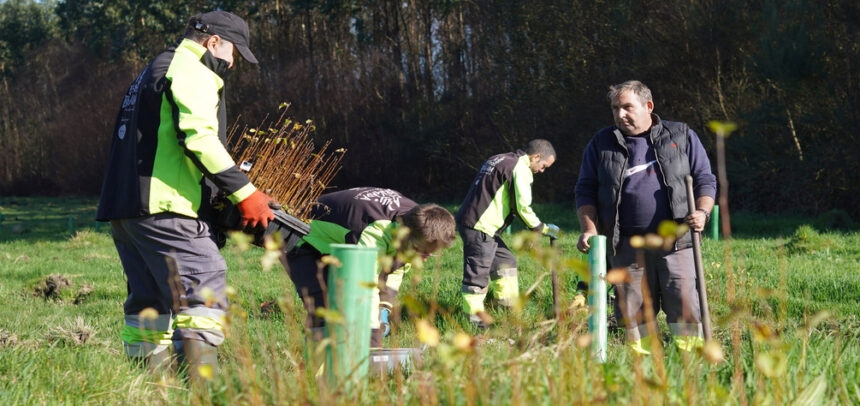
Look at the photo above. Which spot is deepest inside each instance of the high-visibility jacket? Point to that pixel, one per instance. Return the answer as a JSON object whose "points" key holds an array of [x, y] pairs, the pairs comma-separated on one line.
{"points": [[501, 190], [170, 133], [363, 216]]}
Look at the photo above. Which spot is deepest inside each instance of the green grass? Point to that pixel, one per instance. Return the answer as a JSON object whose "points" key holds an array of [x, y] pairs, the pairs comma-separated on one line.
{"points": [[784, 296]]}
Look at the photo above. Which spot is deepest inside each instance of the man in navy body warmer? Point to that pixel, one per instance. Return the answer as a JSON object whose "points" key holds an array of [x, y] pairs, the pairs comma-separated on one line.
{"points": [[631, 180]]}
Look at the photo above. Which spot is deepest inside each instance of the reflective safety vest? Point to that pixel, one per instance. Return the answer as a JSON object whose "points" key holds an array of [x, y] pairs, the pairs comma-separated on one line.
{"points": [[170, 133], [501, 191], [362, 215]]}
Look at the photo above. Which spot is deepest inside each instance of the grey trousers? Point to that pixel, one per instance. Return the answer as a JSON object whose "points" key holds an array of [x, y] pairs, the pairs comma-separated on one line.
{"points": [[302, 264], [671, 279], [173, 266], [484, 257]]}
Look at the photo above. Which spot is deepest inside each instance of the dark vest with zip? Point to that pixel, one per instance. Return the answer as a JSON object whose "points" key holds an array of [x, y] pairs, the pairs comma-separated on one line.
{"points": [[669, 140]]}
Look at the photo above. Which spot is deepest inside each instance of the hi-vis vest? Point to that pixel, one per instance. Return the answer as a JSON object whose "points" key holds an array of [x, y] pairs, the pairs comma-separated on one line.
{"points": [[501, 190], [170, 133], [362, 215]]}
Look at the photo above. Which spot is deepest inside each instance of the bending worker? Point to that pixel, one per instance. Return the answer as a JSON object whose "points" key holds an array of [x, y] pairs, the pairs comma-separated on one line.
{"points": [[631, 180], [167, 160], [370, 217], [501, 190]]}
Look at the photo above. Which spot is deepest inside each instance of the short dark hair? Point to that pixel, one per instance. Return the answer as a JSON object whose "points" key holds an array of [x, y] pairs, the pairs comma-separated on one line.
{"points": [[192, 33], [638, 88], [431, 222], [540, 146]]}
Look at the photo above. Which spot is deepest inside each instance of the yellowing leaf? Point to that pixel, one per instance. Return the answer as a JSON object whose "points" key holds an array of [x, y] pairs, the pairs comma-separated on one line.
{"points": [[330, 260], [330, 316], [772, 363], [464, 342], [270, 258], [583, 340], [653, 241], [667, 228], [618, 275], [208, 295], [241, 240], [427, 334], [713, 352], [149, 313], [206, 371]]}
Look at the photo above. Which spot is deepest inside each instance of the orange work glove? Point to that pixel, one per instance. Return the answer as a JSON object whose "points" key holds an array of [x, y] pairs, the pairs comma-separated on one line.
{"points": [[255, 210]]}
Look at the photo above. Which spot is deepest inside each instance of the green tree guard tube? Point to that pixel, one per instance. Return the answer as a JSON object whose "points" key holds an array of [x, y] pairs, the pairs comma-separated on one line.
{"points": [[715, 223], [597, 297], [350, 289]]}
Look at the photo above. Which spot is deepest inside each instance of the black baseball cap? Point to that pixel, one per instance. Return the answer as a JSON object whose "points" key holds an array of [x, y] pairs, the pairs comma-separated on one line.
{"points": [[228, 26]]}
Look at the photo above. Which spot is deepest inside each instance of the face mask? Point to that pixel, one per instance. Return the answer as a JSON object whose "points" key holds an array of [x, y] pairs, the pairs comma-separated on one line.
{"points": [[217, 65]]}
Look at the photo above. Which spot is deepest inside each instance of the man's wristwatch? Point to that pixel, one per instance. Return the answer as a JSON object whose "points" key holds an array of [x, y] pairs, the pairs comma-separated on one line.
{"points": [[707, 214]]}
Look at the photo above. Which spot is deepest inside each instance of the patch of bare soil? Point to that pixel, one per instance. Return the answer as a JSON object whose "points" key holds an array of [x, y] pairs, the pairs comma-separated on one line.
{"points": [[60, 288], [8, 339], [77, 332]]}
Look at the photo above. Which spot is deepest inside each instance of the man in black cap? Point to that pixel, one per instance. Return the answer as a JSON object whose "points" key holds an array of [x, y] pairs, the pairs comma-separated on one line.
{"points": [[167, 159]]}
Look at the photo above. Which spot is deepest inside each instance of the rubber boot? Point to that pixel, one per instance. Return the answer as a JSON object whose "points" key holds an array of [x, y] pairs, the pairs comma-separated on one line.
{"points": [[159, 362], [200, 359], [505, 289], [312, 357]]}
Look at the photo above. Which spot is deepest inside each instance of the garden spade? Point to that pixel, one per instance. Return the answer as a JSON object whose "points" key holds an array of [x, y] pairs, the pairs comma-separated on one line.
{"points": [[700, 272]]}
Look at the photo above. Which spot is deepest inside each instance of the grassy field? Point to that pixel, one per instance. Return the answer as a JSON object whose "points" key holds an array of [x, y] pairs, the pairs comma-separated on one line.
{"points": [[784, 296]]}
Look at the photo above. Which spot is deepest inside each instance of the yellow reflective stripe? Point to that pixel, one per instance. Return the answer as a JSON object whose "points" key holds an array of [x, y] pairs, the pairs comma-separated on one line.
{"points": [[374, 305], [195, 92], [198, 322], [473, 302], [506, 287], [395, 279], [689, 343], [175, 183], [494, 216], [376, 234], [242, 193], [636, 346], [523, 178], [134, 335]]}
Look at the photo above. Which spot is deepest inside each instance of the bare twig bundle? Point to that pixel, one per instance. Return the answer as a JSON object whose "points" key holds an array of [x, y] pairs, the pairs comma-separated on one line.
{"points": [[281, 159]]}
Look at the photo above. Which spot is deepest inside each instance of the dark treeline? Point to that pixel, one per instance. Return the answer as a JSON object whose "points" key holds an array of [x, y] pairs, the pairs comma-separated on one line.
{"points": [[420, 92]]}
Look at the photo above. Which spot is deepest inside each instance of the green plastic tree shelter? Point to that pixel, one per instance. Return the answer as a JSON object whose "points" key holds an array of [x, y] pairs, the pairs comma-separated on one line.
{"points": [[715, 223], [597, 297], [350, 293]]}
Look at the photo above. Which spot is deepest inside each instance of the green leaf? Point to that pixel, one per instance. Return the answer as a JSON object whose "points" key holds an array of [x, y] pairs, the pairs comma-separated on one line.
{"points": [[772, 363], [812, 394]]}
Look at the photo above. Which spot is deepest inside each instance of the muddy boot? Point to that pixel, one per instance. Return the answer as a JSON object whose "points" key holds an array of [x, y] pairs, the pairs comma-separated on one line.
{"points": [[480, 323], [157, 360], [199, 359], [160, 363]]}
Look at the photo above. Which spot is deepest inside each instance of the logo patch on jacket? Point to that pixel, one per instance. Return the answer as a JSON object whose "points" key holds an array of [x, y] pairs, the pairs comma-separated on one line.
{"points": [[388, 198]]}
